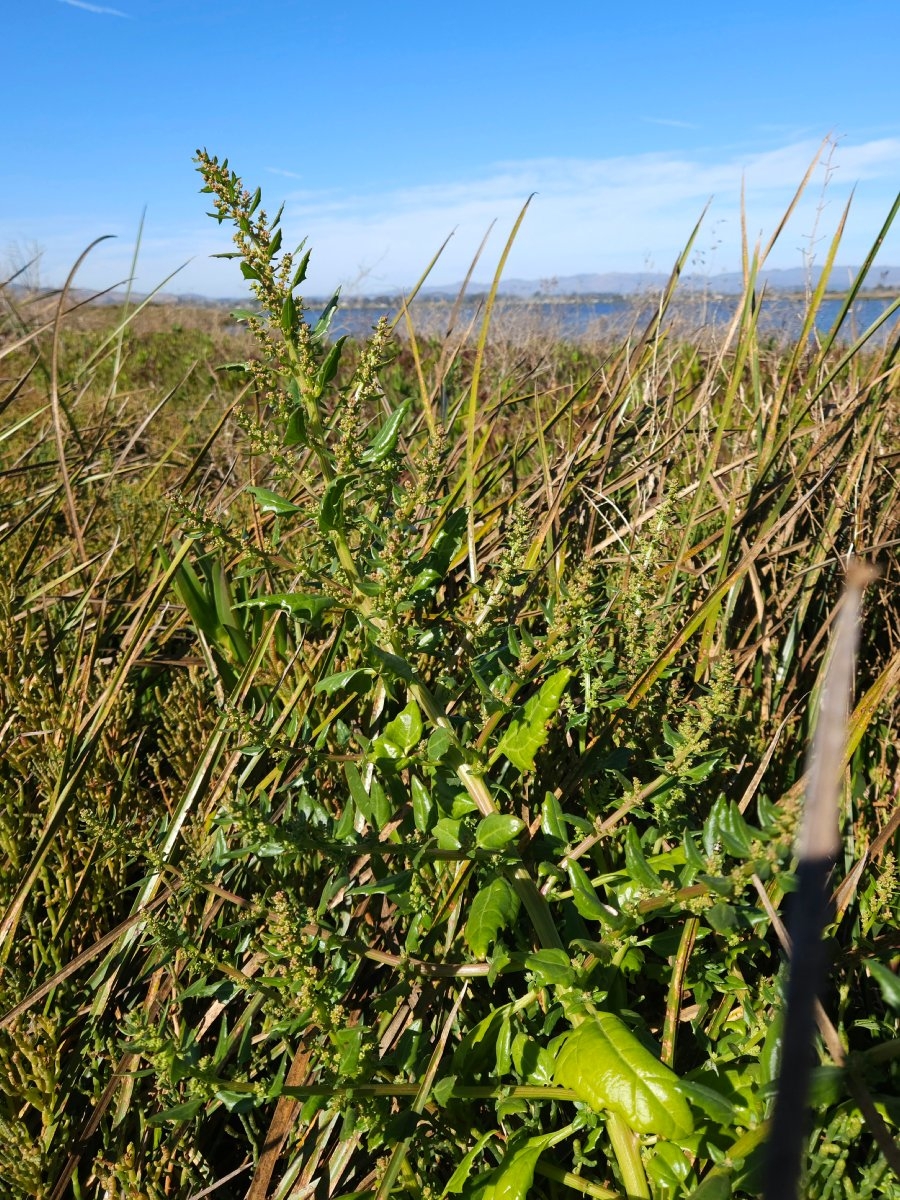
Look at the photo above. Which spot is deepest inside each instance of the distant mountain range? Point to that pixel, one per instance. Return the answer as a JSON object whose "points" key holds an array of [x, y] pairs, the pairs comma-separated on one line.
{"points": [[609, 283], [730, 283]]}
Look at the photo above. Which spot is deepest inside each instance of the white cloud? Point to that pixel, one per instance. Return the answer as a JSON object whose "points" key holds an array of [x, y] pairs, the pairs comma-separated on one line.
{"points": [[624, 213], [95, 8], [628, 213]]}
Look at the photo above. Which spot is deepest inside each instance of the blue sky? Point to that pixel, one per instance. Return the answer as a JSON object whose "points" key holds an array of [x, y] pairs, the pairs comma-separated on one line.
{"points": [[386, 127]]}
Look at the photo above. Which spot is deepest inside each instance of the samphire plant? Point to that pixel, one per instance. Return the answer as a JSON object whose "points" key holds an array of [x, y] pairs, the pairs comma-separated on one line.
{"points": [[473, 689]]}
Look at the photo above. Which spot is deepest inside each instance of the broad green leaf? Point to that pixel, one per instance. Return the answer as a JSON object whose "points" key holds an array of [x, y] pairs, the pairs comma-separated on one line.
{"points": [[550, 967], [331, 513], [513, 1178], [497, 830], [405, 730], [722, 917], [605, 1064], [295, 434], [270, 501], [493, 908], [446, 834], [525, 736], [533, 1063]]}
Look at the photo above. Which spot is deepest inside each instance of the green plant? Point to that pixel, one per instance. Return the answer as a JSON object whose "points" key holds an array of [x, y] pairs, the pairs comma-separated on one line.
{"points": [[426, 825]]}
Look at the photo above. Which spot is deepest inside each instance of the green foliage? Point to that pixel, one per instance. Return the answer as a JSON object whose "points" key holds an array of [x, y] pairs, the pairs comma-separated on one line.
{"points": [[402, 754]]}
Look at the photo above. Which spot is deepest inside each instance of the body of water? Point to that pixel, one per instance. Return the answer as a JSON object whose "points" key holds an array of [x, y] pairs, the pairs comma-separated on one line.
{"points": [[590, 319]]}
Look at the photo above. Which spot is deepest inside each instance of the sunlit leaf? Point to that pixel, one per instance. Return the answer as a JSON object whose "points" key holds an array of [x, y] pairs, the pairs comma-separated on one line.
{"points": [[605, 1064]]}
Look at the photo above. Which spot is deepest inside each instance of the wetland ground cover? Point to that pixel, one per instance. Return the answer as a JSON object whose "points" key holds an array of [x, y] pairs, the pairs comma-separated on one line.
{"points": [[403, 744]]}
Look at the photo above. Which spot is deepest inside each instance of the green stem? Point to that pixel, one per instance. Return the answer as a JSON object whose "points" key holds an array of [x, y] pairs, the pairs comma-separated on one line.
{"points": [[627, 1150]]}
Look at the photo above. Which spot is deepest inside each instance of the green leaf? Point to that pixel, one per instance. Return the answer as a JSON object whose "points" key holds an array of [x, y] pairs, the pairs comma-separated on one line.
{"points": [[324, 322], [497, 830], [300, 273], [385, 440], [329, 367], [357, 680], [637, 866], [513, 1178], [295, 433], [693, 859], [553, 823], [459, 1178], [886, 980], [716, 1186], [605, 1064], [421, 803], [331, 514], [446, 834], [269, 501], [405, 730], [288, 315], [493, 908], [181, 1112], [525, 736], [550, 967], [295, 603], [587, 902], [722, 917]]}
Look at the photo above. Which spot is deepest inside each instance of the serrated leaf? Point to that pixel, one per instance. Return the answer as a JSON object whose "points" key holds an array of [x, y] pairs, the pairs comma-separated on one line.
{"points": [[270, 501], [405, 730], [460, 1176], [292, 602], [497, 830], [493, 908], [527, 734], [300, 273], [609, 1069]]}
